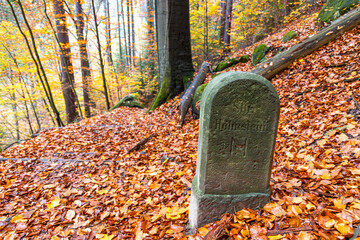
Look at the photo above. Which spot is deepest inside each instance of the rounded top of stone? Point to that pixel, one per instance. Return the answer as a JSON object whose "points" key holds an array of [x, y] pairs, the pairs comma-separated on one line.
{"points": [[225, 78]]}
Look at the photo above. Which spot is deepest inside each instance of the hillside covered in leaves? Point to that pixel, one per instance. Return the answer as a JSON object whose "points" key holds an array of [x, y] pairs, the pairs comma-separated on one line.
{"points": [[127, 174]]}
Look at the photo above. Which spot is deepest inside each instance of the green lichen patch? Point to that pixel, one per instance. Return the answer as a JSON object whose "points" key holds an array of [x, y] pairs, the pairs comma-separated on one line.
{"points": [[289, 35], [259, 53]]}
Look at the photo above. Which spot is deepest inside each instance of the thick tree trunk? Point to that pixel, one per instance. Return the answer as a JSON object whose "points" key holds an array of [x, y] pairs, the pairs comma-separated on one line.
{"points": [[281, 61], [84, 59], [174, 48], [108, 33], [67, 72]]}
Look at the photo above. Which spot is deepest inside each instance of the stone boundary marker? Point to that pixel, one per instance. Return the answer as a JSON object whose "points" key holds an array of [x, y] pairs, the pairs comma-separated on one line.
{"points": [[239, 116]]}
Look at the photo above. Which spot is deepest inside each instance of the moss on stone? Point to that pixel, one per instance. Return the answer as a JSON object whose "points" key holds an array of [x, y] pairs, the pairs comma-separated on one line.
{"points": [[197, 96], [127, 101], [259, 53], [333, 9], [225, 64], [244, 59], [289, 35]]}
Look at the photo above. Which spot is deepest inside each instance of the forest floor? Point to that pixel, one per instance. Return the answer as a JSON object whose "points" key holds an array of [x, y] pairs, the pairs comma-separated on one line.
{"points": [[144, 193]]}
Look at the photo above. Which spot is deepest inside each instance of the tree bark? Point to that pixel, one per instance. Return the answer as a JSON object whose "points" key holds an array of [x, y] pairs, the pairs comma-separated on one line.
{"points": [[174, 49], [100, 57], [124, 33], [84, 59], [119, 33], [222, 21], [67, 72], [281, 61], [227, 27], [133, 46], [129, 33], [108, 32]]}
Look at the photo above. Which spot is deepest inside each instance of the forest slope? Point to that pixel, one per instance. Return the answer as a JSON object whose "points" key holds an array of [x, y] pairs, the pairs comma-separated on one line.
{"points": [[144, 194]]}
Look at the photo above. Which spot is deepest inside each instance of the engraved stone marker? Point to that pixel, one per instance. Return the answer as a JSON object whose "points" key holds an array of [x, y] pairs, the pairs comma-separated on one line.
{"points": [[239, 116]]}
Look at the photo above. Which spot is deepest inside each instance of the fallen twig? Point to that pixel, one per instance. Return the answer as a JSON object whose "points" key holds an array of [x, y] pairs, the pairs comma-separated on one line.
{"points": [[141, 143], [288, 230]]}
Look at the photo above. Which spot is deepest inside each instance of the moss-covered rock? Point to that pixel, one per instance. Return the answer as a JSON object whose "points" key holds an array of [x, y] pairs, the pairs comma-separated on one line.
{"points": [[334, 9], [197, 96], [128, 101], [225, 64], [244, 59], [289, 35], [259, 53]]}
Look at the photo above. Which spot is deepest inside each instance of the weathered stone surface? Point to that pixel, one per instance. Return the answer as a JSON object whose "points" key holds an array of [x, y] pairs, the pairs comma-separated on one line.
{"points": [[239, 115]]}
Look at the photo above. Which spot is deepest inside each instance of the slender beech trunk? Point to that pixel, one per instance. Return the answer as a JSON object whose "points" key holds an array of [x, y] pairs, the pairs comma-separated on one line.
{"points": [[67, 72], [129, 33], [84, 58], [133, 46], [227, 28], [119, 33], [100, 57], [108, 33], [124, 33], [14, 107], [151, 38], [206, 32], [222, 21]]}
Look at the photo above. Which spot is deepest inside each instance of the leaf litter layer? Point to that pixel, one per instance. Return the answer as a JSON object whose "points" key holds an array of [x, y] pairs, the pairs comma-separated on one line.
{"points": [[101, 190]]}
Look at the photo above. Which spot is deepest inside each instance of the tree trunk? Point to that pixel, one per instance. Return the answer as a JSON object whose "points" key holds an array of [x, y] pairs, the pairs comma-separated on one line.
{"points": [[151, 38], [108, 32], [222, 21], [133, 46], [67, 72], [84, 59], [227, 28], [174, 49], [119, 33], [129, 33], [100, 57], [124, 33], [281, 61]]}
